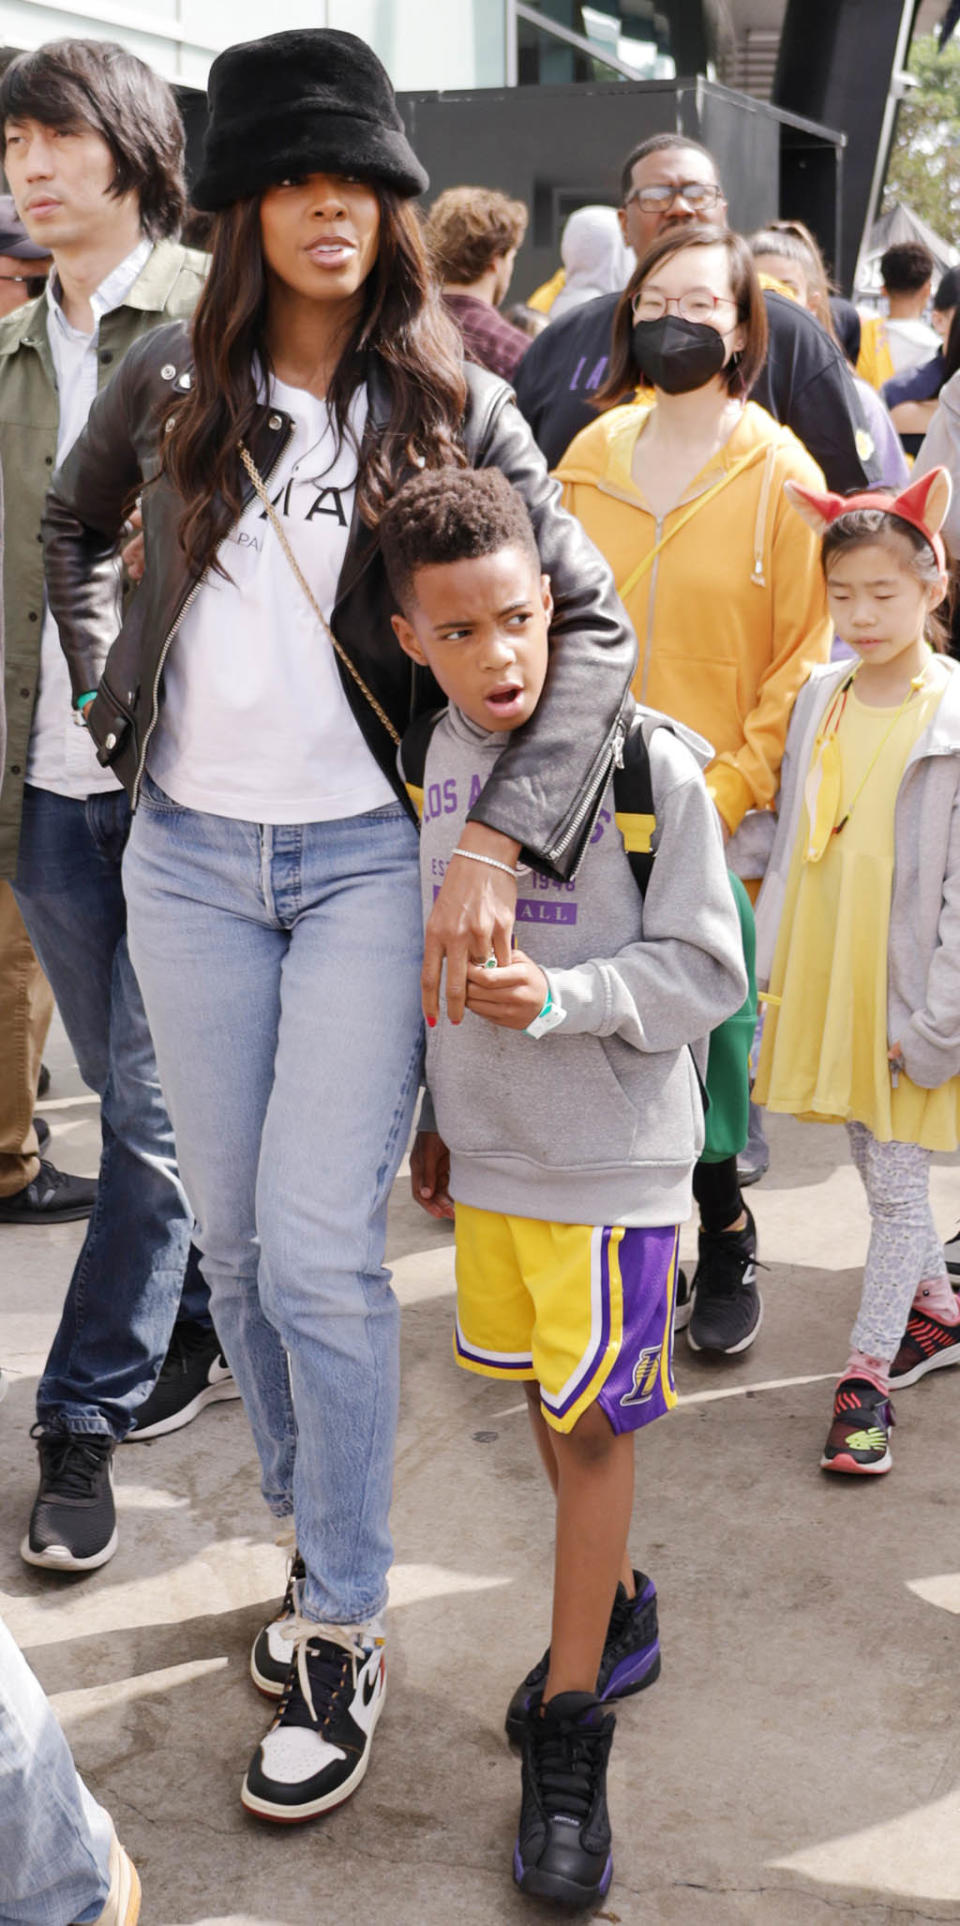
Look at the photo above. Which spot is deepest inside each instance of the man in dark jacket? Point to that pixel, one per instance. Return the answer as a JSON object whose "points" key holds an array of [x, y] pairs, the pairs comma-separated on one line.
{"points": [[107, 202], [667, 182]]}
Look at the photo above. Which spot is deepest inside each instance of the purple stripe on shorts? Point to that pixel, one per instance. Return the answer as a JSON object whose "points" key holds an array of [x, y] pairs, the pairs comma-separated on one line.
{"points": [[632, 1394], [486, 1358]]}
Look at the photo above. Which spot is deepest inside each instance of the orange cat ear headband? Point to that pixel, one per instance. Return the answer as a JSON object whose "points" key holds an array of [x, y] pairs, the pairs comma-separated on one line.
{"points": [[923, 505]]}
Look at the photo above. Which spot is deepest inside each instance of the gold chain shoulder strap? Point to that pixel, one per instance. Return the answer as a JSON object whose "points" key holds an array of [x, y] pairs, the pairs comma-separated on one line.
{"points": [[278, 528]]}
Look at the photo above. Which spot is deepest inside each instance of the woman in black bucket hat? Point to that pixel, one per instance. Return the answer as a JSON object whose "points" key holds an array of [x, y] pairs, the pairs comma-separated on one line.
{"points": [[251, 704]]}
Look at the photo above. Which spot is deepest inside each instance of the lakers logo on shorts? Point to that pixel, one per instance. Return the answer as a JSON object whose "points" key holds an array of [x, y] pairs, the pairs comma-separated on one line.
{"points": [[646, 1375]]}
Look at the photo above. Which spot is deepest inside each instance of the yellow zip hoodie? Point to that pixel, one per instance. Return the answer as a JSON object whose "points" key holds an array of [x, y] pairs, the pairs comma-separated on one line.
{"points": [[731, 615]]}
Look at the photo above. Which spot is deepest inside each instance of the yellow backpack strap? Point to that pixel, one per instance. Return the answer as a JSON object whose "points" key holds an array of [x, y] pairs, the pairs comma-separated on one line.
{"points": [[633, 806]]}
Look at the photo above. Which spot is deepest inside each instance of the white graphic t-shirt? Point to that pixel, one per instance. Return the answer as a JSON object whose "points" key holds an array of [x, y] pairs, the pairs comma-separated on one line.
{"points": [[255, 722]]}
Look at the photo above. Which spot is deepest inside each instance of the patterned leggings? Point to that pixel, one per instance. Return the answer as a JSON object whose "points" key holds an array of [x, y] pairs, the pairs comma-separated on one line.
{"points": [[904, 1247]]}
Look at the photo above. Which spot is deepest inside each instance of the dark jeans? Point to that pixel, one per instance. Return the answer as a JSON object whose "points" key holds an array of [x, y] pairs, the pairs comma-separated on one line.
{"points": [[137, 1269]]}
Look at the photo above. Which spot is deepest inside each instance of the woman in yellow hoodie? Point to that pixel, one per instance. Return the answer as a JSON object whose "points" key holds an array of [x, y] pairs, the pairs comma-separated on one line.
{"points": [[683, 494]]}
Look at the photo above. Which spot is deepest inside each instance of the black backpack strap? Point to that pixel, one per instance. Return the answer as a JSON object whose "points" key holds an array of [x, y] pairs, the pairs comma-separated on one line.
{"points": [[633, 805], [413, 756]]}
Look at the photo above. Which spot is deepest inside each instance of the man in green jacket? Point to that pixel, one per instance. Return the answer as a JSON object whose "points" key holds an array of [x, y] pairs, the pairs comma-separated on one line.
{"points": [[93, 151]]}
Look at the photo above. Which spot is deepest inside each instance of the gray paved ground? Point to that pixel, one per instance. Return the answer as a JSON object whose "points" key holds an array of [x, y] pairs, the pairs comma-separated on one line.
{"points": [[799, 1760]]}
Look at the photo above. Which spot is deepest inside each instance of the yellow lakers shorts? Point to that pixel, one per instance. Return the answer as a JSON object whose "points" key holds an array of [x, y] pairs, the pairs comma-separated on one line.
{"points": [[586, 1312]]}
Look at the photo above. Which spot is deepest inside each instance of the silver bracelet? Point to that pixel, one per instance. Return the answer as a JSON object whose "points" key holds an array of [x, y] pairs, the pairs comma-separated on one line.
{"points": [[473, 856]]}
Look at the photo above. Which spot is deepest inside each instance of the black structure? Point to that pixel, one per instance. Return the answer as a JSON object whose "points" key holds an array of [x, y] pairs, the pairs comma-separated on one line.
{"points": [[838, 60], [557, 147]]}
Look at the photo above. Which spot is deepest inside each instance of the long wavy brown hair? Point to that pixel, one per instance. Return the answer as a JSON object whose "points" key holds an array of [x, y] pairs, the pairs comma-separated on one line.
{"points": [[402, 322]]}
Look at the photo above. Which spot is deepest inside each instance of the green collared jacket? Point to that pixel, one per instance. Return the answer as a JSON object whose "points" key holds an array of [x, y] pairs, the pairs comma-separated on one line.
{"points": [[166, 290]]}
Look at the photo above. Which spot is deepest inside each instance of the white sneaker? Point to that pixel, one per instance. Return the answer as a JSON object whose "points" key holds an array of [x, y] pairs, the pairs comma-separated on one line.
{"points": [[318, 1748]]}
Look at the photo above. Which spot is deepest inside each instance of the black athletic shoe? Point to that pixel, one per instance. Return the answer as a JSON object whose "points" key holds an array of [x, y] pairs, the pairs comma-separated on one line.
{"points": [[52, 1198], [630, 1662], [727, 1306], [563, 1850], [318, 1748], [272, 1654], [42, 1129], [194, 1373], [43, 1082], [73, 1524]]}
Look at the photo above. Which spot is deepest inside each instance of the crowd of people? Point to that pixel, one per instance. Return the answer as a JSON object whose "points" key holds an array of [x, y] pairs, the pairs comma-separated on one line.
{"points": [[552, 708]]}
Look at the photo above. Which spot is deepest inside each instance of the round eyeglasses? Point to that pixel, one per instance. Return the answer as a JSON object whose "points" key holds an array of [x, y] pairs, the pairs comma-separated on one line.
{"points": [[698, 304]]}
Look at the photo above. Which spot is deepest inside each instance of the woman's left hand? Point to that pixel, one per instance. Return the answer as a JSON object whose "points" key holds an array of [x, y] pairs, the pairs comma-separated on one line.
{"points": [[471, 919], [511, 997]]}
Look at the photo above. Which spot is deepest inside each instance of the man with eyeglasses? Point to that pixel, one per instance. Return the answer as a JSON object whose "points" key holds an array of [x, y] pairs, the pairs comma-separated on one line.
{"points": [[667, 182]]}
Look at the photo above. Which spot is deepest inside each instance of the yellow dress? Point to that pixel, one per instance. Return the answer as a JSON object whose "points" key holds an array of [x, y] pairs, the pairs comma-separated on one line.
{"points": [[824, 1054]]}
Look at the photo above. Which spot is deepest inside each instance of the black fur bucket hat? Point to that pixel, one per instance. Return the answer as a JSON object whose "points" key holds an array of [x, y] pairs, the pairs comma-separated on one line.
{"points": [[305, 102]]}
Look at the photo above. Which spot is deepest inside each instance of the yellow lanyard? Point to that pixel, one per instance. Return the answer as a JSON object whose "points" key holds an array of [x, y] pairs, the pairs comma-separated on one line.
{"points": [[686, 515], [822, 785]]}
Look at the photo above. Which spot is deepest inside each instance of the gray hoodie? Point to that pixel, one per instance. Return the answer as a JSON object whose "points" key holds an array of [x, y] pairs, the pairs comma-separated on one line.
{"points": [[923, 961], [599, 1122]]}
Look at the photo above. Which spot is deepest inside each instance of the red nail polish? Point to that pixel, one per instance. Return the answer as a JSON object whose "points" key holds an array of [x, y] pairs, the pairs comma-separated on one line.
{"points": [[432, 1023]]}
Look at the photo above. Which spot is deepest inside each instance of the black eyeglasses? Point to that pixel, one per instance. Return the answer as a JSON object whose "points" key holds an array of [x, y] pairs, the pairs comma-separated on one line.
{"points": [[34, 283], [656, 200]]}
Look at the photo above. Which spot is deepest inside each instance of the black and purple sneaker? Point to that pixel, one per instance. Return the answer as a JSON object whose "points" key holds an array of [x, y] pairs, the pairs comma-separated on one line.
{"points": [[630, 1662], [564, 1847]]}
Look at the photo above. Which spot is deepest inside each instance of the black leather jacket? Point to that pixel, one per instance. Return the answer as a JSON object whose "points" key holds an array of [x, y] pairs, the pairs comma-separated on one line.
{"points": [[548, 783]]}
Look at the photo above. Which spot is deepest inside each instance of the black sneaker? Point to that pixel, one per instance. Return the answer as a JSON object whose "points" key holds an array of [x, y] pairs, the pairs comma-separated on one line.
{"points": [[42, 1129], [43, 1082], [318, 1748], [630, 1662], [73, 1524], [727, 1306], [563, 1850], [858, 1440], [52, 1198], [272, 1653], [194, 1373]]}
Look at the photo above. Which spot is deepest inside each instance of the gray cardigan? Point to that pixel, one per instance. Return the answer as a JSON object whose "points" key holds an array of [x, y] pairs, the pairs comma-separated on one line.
{"points": [[923, 964]]}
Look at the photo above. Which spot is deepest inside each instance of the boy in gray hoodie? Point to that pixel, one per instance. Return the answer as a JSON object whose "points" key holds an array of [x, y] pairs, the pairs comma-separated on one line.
{"points": [[568, 1119]]}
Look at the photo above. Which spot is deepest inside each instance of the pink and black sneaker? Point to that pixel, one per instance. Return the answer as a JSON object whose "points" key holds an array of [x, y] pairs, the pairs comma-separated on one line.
{"points": [[926, 1345], [858, 1441]]}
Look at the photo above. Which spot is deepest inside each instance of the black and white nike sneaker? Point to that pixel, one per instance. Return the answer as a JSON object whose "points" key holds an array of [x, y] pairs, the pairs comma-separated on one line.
{"points": [[193, 1374], [73, 1524], [318, 1748], [272, 1654], [564, 1847]]}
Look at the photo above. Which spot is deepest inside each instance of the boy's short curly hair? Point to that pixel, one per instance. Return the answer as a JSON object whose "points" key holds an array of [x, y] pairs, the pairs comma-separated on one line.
{"points": [[451, 515]]}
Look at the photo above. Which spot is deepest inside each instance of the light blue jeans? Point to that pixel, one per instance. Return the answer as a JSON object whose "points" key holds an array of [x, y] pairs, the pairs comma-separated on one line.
{"points": [[54, 1838], [280, 971]]}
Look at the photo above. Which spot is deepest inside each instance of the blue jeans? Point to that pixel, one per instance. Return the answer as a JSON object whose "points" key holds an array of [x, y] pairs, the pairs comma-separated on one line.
{"points": [[135, 1264], [54, 1838], [280, 968]]}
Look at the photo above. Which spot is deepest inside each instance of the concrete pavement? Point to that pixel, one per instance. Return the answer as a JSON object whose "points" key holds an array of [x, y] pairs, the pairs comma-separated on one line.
{"points": [[797, 1763]]}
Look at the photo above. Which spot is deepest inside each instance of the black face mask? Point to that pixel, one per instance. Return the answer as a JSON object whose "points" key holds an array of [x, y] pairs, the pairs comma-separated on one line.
{"points": [[678, 355]]}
